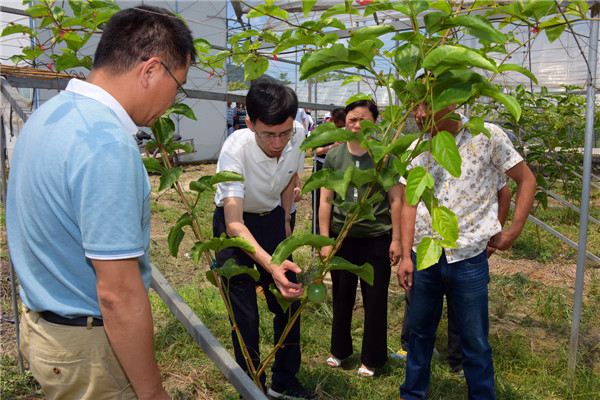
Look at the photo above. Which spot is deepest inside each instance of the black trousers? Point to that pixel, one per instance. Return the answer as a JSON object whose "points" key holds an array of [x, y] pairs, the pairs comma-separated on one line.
{"points": [[454, 354], [316, 198], [269, 231], [375, 300]]}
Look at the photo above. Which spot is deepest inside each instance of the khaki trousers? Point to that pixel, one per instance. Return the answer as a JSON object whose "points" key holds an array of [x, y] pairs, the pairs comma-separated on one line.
{"points": [[72, 362]]}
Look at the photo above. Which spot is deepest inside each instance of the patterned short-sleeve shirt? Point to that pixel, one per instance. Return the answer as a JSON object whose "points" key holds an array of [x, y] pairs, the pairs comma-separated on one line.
{"points": [[473, 196]]}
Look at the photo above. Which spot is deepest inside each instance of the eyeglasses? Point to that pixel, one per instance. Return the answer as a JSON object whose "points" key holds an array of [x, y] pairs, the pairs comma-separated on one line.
{"points": [[269, 137], [181, 93]]}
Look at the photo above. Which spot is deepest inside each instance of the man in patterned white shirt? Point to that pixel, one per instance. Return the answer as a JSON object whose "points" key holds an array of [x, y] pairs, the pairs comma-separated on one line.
{"points": [[462, 274]]}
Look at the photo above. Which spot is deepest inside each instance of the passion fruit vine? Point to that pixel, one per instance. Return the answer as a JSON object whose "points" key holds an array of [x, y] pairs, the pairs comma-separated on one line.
{"points": [[317, 292]]}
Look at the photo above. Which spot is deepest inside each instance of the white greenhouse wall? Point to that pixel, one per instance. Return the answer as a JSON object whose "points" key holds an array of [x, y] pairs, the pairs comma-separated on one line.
{"points": [[207, 20]]}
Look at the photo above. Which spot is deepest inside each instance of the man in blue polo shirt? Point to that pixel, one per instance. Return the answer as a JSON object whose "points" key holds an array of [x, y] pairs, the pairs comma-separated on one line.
{"points": [[78, 215]]}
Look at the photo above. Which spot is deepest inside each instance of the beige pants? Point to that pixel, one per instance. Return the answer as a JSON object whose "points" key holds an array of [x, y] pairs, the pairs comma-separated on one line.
{"points": [[72, 362]]}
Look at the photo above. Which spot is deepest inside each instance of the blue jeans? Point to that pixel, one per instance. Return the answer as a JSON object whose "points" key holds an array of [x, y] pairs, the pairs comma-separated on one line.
{"points": [[465, 285]]}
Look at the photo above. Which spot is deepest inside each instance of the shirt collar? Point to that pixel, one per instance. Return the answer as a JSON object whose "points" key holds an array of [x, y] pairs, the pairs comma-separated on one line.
{"points": [[95, 92]]}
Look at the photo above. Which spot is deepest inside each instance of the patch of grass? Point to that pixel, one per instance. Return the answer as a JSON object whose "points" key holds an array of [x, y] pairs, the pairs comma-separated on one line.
{"points": [[13, 384]]}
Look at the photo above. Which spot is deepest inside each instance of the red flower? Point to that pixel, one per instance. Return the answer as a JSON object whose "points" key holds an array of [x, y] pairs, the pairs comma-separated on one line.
{"points": [[42, 47], [211, 74], [50, 66], [535, 30], [275, 57], [61, 34], [364, 2]]}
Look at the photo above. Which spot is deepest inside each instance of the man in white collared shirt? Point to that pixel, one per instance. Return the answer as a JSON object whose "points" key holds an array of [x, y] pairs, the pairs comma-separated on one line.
{"points": [[267, 155], [78, 215]]}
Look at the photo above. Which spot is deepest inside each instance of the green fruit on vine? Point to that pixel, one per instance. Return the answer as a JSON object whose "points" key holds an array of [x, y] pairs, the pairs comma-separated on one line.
{"points": [[317, 292]]}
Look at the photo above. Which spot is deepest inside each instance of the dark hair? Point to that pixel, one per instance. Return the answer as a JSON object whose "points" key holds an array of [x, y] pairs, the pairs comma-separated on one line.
{"points": [[364, 103], [144, 32], [270, 102], [339, 114]]}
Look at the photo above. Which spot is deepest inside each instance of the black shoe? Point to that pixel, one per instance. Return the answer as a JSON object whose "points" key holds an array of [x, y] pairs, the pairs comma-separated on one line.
{"points": [[297, 391]]}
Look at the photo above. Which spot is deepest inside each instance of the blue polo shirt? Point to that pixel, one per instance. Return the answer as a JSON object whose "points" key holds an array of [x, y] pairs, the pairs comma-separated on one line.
{"points": [[77, 191]]}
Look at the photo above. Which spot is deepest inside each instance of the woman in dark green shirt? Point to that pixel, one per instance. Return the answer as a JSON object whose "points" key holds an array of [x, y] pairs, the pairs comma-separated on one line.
{"points": [[376, 242]]}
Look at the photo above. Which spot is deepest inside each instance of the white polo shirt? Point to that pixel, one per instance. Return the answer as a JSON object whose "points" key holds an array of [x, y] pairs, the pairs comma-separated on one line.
{"points": [[265, 177]]}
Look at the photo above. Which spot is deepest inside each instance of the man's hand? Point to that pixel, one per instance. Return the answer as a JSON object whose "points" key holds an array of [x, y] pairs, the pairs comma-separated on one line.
{"points": [[395, 252], [325, 251], [503, 240], [297, 194], [490, 250], [289, 290], [405, 273]]}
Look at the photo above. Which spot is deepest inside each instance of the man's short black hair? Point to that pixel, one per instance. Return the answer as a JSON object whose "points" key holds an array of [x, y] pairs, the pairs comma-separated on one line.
{"points": [[144, 32], [364, 103], [339, 114], [270, 102]]}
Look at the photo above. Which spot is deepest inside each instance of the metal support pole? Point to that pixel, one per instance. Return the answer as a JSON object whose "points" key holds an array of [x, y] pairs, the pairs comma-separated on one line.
{"points": [[585, 192]]}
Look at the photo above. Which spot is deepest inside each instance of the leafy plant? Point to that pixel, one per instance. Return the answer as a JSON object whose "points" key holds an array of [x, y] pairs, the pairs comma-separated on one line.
{"points": [[433, 44]]}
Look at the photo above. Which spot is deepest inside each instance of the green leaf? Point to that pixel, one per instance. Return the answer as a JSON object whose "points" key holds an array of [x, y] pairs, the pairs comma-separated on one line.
{"points": [[176, 234], [211, 277], [230, 269], [163, 129], [387, 178], [316, 180], [66, 61], [255, 67], [352, 78], [307, 5], [407, 59], [509, 102], [418, 180], [243, 35], [283, 302], [329, 38], [32, 53], [370, 32], [518, 68], [448, 57], [37, 10], [445, 152], [429, 252], [15, 28], [339, 9], [328, 134], [181, 109], [225, 176], [357, 97], [542, 198], [187, 147], [153, 165], [445, 222], [428, 198], [216, 62], [331, 58], [203, 184], [476, 125], [202, 46], [541, 181], [269, 36], [287, 247], [169, 177], [479, 26], [554, 32], [217, 244], [400, 145], [364, 272]]}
